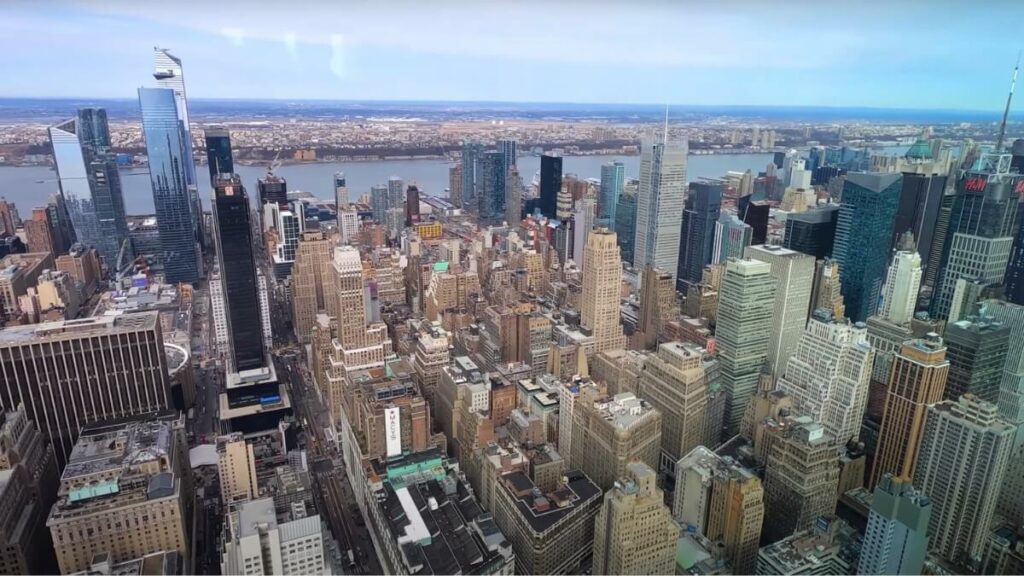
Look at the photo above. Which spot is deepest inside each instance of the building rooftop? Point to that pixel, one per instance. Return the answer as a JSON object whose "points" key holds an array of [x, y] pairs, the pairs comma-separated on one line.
{"points": [[156, 563], [624, 410], [831, 540], [104, 448], [542, 511], [79, 328]]}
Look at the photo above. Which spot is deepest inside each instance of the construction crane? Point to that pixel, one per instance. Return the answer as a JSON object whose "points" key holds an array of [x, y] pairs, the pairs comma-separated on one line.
{"points": [[275, 162]]}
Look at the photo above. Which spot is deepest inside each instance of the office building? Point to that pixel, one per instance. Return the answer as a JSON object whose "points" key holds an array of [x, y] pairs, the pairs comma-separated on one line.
{"points": [[550, 184], [583, 217], [491, 183], [272, 189], [261, 540], [659, 207], [674, 382], [18, 273], [830, 546], [976, 350], [599, 303], [348, 224], [982, 226], [471, 155], [625, 225], [896, 538], [40, 234], [722, 501], [754, 213], [634, 532], [218, 153], [169, 152], [899, 297], [732, 236], [238, 274], [917, 379], [125, 491], [130, 379], [412, 205], [801, 478], [8, 214], [702, 210], [864, 237], [341, 198], [379, 203], [964, 455], [924, 182], [609, 432], [812, 232], [613, 180], [236, 468], [827, 292], [829, 373], [657, 305], [312, 283], [510, 149], [90, 184], [742, 332], [794, 279]]}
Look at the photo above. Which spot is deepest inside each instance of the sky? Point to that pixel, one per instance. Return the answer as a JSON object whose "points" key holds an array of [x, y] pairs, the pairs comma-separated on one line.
{"points": [[874, 53]]}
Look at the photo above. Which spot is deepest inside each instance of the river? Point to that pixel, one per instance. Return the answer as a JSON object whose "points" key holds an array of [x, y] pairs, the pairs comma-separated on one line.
{"points": [[30, 186]]}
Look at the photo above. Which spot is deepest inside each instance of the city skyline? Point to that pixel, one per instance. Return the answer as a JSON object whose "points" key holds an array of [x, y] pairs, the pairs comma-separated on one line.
{"points": [[698, 54]]}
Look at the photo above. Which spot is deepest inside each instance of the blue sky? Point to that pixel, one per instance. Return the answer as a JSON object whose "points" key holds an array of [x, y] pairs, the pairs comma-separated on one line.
{"points": [[895, 53]]}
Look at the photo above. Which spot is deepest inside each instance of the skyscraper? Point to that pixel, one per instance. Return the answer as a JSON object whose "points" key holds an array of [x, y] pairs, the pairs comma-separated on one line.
{"points": [[794, 279], [657, 305], [982, 226], [272, 189], [732, 236], [513, 197], [625, 225], [238, 274], [828, 375], [965, 451], [471, 152], [742, 332], [896, 538], [675, 383], [697, 238], [920, 200], [169, 152], [550, 184], [455, 185], [491, 188], [90, 184], [509, 149], [609, 432], [583, 216], [659, 207], [917, 379], [613, 178], [218, 152], [412, 205], [312, 283], [899, 297], [976, 350], [634, 532], [602, 279], [379, 203], [863, 238], [340, 191], [812, 232]]}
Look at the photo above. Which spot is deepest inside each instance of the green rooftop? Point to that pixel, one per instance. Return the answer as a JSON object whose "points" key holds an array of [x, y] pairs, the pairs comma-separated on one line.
{"points": [[440, 266], [920, 150], [101, 489]]}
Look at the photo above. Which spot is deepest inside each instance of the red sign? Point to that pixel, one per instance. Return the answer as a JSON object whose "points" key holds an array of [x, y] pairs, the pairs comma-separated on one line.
{"points": [[1019, 187], [975, 184]]}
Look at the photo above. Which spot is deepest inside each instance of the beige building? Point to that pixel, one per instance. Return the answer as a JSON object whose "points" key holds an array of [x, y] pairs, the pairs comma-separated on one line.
{"points": [[312, 286], [84, 266], [449, 290], [126, 490], [657, 305], [794, 274], [620, 370], [634, 532], [917, 379], [18, 273], [236, 467], [602, 280], [827, 292], [610, 432], [430, 357], [674, 382]]}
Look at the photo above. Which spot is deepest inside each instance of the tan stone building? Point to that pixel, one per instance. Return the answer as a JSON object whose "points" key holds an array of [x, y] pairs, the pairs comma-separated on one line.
{"points": [[634, 532], [312, 283], [602, 279], [657, 305], [236, 467], [673, 382], [610, 432]]}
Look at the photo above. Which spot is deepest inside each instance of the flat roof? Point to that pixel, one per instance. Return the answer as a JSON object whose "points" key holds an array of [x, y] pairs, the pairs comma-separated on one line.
{"points": [[78, 328]]}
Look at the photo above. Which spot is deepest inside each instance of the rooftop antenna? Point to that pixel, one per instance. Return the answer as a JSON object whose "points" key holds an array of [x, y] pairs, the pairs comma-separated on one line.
{"points": [[665, 134], [1006, 112]]}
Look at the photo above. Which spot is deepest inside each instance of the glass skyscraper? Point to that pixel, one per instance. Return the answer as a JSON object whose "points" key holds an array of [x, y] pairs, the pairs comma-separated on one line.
{"points": [[863, 238], [625, 225], [703, 207], [90, 183], [550, 184], [613, 178], [166, 147], [218, 153], [471, 152], [491, 200]]}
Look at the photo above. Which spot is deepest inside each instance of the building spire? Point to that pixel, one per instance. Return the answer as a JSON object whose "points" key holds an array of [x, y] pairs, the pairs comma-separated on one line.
{"points": [[1006, 112]]}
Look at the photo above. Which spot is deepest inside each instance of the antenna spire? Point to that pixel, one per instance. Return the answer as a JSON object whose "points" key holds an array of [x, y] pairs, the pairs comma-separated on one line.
{"points": [[1006, 112]]}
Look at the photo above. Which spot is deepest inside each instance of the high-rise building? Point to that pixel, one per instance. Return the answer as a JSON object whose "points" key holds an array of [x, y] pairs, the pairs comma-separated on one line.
{"points": [[964, 455], [272, 189], [509, 149], [610, 432], [864, 237], [830, 546], [812, 232], [52, 369], [379, 203], [613, 179], [312, 283], [261, 541], [801, 478], [924, 182], [471, 153], [550, 184], [238, 274], [340, 191], [899, 297], [917, 379], [412, 205], [827, 292], [625, 225], [674, 382], [126, 491], [455, 185], [977, 350], [634, 532], [754, 213], [8, 212], [742, 332], [723, 501], [90, 184], [732, 236], [583, 216], [982, 226], [702, 210], [348, 224], [659, 207], [236, 468], [829, 373], [169, 152], [794, 278], [513, 197], [1015, 269], [602, 278], [218, 152], [40, 233], [896, 537], [491, 182], [657, 305]]}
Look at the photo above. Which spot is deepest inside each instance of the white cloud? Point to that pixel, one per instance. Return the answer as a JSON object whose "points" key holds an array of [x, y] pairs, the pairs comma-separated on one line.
{"points": [[234, 35]]}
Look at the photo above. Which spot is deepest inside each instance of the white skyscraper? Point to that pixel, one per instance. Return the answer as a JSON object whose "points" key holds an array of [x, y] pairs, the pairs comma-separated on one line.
{"points": [[583, 223], [659, 208], [896, 537], [261, 293], [828, 375], [794, 278], [219, 317], [899, 297]]}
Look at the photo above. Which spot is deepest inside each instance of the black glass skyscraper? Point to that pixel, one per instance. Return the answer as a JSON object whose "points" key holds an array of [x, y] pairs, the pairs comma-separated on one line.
{"points": [[273, 189], [697, 238], [1015, 270], [550, 184], [491, 197], [218, 153], [918, 209], [812, 232], [471, 152], [238, 273], [625, 225], [755, 213]]}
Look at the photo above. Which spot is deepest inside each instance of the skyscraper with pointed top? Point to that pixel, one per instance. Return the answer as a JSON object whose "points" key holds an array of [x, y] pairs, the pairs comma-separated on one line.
{"points": [[659, 209]]}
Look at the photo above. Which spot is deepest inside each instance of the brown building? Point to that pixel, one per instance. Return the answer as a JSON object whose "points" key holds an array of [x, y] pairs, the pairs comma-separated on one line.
{"points": [[674, 383], [657, 305], [917, 378], [39, 231], [82, 264], [610, 432], [7, 224], [18, 273]]}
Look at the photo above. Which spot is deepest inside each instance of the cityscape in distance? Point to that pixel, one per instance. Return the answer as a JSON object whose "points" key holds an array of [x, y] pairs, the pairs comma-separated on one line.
{"points": [[319, 290]]}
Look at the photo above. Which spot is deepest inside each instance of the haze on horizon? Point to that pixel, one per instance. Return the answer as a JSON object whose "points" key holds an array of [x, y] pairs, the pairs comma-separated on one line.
{"points": [[898, 54]]}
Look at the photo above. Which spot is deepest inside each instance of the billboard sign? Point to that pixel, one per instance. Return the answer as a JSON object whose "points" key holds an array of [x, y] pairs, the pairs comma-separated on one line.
{"points": [[393, 431]]}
